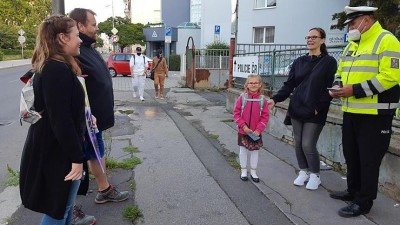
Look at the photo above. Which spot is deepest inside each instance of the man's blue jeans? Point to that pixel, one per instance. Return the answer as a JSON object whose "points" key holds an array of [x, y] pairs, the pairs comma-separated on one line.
{"points": [[47, 220]]}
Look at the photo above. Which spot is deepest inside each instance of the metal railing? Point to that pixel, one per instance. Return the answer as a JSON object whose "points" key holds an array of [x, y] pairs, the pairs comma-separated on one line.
{"points": [[212, 59], [275, 64]]}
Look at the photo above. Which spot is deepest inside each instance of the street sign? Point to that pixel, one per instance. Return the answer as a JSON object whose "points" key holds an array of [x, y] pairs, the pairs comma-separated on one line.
{"points": [[168, 34], [21, 32], [217, 29], [114, 31], [21, 39], [154, 35], [115, 38], [244, 66]]}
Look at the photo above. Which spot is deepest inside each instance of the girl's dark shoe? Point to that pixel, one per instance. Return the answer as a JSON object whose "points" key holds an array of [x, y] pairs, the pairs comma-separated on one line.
{"points": [[255, 180], [244, 178]]}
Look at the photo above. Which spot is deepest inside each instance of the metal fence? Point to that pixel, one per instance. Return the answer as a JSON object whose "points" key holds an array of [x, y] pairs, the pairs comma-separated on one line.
{"points": [[275, 61], [212, 59]]}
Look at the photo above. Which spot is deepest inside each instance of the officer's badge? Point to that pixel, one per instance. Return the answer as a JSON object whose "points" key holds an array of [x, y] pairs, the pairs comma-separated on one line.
{"points": [[394, 63]]}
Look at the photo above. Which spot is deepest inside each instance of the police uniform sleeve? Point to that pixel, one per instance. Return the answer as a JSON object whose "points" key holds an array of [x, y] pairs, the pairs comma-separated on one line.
{"points": [[388, 70]]}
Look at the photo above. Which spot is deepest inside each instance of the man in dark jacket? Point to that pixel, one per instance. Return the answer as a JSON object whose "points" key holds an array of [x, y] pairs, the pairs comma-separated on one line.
{"points": [[101, 98]]}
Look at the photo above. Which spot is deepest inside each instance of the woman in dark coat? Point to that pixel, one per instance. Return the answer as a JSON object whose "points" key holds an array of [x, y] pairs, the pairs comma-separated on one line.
{"points": [[51, 164], [308, 80]]}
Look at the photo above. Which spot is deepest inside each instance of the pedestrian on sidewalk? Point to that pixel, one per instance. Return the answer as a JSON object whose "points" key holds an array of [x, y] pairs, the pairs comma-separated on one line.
{"points": [[369, 70], [251, 115], [52, 158], [160, 68], [137, 65], [100, 92], [309, 78]]}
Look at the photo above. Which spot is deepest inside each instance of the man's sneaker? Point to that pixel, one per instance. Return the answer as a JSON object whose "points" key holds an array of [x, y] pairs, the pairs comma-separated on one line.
{"points": [[141, 98], [79, 218], [313, 182], [113, 195], [303, 177]]}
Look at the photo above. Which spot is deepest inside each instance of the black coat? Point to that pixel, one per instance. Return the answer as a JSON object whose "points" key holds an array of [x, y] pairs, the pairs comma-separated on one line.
{"points": [[311, 95], [98, 83], [54, 142]]}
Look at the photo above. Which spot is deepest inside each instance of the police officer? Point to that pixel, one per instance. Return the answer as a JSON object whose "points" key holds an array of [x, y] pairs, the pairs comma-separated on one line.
{"points": [[369, 72]]}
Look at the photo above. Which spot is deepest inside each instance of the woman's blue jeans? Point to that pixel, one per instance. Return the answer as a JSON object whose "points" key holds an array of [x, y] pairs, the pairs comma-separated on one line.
{"points": [[48, 220]]}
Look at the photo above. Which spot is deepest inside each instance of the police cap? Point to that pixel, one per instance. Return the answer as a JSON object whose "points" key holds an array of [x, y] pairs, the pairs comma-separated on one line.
{"points": [[354, 12]]}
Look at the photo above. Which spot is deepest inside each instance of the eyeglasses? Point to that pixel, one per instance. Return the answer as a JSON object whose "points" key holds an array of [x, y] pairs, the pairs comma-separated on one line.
{"points": [[253, 83], [312, 37]]}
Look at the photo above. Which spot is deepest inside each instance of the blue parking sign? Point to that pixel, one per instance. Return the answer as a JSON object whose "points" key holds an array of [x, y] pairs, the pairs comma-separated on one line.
{"points": [[217, 29], [168, 31]]}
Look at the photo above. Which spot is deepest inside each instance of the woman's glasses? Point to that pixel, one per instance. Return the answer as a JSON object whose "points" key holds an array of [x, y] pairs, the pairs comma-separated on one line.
{"points": [[253, 83], [311, 37]]}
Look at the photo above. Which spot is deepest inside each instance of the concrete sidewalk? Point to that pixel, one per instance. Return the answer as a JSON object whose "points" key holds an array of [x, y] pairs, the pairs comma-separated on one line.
{"points": [[174, 185], [13, 63], [277, 167]]}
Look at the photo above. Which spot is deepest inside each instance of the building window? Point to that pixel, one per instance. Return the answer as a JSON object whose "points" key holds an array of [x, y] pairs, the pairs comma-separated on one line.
{"points": [[264, 3], [264, 35]]}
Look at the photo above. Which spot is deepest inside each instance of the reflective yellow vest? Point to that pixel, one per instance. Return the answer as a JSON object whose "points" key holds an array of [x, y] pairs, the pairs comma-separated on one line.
{"points": [[372, 67]]}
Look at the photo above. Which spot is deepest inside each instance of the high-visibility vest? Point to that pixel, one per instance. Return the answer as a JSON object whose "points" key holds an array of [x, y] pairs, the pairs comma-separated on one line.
{"points": [[372, 67]]}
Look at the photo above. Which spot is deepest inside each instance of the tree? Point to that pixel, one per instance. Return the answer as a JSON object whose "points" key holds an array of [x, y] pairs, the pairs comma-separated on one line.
{"points": [[21, 14], [388, 14], [128, 32]]}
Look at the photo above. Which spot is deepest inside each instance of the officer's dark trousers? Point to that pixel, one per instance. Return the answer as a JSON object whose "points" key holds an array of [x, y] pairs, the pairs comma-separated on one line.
{"points": [[365, 141]]}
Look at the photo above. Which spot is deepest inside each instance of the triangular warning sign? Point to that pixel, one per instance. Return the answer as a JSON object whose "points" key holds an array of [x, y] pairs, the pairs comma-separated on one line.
{"points": [[154, 34]]}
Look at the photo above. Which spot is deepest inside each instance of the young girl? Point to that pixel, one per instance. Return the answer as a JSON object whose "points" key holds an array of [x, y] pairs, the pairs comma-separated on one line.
{"points": [[251, 116]]}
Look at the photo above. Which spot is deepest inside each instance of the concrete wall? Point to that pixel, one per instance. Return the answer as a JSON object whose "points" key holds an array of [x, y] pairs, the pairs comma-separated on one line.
{"points": [[215, 13], [211, 78], [330, 143], [292, 19], [172, 17], [183, 35]]}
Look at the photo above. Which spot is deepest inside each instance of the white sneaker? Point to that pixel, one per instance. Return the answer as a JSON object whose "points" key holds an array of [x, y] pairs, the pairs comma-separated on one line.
{"points": [[141, 98], [313, 182], [134, 94], [303, 177]]}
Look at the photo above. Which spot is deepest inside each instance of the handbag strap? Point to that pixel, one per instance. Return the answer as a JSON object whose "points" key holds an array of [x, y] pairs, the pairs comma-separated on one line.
{"points": [[157, 63], [308, 75]]}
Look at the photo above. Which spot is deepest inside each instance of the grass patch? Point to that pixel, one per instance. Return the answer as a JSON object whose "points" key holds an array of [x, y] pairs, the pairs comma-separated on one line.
{"points": [[11, 57], [215, 89], [131, 149], [127, 112], [213, 136], [231, 158], [128, 164], [227, 120], [8, 220], [132, 213], [13, 177], [132, 185]]}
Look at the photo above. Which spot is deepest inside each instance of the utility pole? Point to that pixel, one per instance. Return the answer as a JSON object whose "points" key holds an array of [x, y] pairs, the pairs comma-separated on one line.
{"points": [[57, 7]]}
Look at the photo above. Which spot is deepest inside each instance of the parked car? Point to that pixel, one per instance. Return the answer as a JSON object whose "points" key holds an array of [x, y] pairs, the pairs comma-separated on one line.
{"points": [[118, 63]]}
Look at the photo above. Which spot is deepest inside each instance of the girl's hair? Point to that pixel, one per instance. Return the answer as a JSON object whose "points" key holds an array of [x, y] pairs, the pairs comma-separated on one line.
{"points": [[323, 36], [48, 45], [258, 77]]}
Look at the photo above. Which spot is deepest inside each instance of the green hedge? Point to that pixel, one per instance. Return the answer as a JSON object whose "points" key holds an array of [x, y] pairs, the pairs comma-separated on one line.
{"points": [[174, 62], [1, 55]]}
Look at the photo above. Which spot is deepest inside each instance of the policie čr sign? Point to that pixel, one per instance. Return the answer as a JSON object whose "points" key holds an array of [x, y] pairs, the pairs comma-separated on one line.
{"points": [[244, 66]]}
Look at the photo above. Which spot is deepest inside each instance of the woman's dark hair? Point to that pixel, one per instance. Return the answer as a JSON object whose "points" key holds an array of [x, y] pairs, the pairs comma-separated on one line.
{"points": [[323, 36]]}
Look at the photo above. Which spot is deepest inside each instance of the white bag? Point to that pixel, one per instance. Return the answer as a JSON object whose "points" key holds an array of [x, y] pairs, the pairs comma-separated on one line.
{"points": [[26, 111]]}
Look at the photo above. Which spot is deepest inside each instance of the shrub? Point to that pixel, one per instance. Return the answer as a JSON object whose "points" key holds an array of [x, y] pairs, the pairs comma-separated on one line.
{"points": [[1, 56], [28, 54], [174, 62]]}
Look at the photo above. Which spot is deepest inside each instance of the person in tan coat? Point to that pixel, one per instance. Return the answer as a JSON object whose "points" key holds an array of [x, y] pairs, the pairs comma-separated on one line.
{"points": [[160, 68]]}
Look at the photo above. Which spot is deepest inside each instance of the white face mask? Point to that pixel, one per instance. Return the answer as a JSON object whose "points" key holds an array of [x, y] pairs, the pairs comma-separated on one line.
{"points": [[355, 34]]}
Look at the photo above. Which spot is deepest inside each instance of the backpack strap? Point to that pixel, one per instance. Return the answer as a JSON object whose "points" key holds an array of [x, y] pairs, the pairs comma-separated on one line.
{"points": [[134, 61], [245, 99]]}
